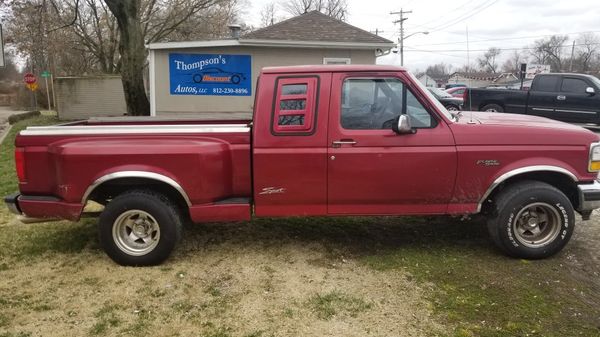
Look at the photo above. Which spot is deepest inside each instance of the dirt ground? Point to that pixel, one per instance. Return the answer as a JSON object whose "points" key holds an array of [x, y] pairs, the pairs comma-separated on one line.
{"points": [[582, 254], [295, 277], [223, 281]]}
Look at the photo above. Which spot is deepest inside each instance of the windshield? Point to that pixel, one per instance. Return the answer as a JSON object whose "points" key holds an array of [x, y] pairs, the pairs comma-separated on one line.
{"points": [[432, 98], [439, 92]]}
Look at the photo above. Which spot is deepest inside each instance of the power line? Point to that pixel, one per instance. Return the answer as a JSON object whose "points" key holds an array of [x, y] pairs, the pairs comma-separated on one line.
{"points": [[434, 52], [465, 16], [443, 16], [504, 39], [501, 49]]}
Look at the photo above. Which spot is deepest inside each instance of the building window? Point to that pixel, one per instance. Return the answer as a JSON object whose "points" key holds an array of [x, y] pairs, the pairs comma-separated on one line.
{"points": [[336, 60]]}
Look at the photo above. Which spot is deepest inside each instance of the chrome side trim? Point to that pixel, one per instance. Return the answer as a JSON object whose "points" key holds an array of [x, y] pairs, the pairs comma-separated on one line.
{"points": [[135, 174], [542, 109], [132, 129], [516, 172], [578, 111]]}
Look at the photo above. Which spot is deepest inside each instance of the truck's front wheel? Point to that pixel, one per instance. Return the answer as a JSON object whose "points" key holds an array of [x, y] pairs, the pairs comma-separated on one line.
{"points": [[139, 228], [532, 220]]}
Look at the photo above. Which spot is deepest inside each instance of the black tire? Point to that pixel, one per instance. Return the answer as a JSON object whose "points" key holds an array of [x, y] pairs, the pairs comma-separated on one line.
{"points": [[162, 228], [492, 108], [520, 209], [236, 79], [197, 78], [452, 107]]}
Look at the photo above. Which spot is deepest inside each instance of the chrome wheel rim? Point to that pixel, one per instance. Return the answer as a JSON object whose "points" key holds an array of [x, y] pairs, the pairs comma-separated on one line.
{"points": [[451, 108], [136, 232], [536, 225], [491, 110]]}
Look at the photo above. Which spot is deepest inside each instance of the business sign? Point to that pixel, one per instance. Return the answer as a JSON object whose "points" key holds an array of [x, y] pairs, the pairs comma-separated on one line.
{"points": [[534, 69], [210, 74]]}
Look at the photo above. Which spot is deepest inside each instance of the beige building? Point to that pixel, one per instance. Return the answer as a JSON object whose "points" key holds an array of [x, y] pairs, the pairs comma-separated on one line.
{"points": [[212, 76]]}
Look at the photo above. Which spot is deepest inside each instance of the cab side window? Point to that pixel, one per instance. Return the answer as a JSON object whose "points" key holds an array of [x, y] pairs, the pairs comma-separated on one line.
{"points": [[573, 85], [374, 104], [295, 108]]}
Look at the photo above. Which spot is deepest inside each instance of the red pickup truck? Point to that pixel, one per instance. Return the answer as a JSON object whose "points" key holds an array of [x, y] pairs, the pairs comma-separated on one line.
{"points": [[324, 141]]}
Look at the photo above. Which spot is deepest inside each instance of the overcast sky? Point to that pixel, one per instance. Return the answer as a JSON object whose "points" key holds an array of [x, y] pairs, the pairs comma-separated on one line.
{"points": [[509, 23]]}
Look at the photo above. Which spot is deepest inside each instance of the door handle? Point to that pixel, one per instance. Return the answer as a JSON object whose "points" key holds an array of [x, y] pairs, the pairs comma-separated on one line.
{"points": [[561, 97], [338, 143]]}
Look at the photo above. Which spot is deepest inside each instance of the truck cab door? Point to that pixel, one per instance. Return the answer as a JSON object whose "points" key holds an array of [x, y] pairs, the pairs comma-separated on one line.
{"points": [[574, 104], [543, 96], [290, 145], [373, 170]]}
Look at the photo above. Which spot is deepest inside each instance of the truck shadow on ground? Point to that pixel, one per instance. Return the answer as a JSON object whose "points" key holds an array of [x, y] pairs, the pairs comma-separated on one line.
{"points": [[355, 235]]}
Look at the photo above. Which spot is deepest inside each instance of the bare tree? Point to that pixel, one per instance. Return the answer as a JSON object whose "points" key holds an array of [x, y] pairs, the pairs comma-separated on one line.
{"points": [[268, 14], [488, 61], [335, 8], [587, 49], [513, 63], [96, 36], [132, 50], [549, 51], [439, 70]]}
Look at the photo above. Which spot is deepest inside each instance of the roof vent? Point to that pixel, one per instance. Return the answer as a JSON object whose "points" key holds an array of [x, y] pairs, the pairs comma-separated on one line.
{"points": [[235, 30]]}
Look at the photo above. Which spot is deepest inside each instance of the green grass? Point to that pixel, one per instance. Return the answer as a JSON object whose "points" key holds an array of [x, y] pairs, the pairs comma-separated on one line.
{"points": [[482, 293], [106, 318], [325, 306]]}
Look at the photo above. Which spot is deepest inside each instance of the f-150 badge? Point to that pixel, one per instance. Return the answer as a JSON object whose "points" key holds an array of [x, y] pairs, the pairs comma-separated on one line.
{"points": [[488, 162], [273, 190]]}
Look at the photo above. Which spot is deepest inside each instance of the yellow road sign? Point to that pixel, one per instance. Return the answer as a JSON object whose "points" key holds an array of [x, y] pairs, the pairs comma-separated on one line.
{"points": [[32, 86]]}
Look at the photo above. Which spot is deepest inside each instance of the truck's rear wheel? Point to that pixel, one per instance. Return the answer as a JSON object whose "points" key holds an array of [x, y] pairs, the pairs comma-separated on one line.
{"points": [[492, 108], [532, 220], [139, 228]]}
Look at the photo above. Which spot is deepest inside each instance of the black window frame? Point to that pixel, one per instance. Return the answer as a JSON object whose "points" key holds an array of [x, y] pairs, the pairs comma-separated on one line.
{"points": [[315, 116], [405, 89], [576, 79]]}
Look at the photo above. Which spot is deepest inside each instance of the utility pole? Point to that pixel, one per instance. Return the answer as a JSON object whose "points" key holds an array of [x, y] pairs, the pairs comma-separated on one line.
{"points": [[572, 52], [376, 31], [401, 20]]}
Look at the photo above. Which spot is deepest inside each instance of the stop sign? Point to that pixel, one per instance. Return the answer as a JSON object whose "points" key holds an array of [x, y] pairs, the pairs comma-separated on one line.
{"points": [[29, 78]]}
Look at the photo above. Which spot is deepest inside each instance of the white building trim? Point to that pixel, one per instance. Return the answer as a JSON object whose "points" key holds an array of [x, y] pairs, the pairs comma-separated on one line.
{"points": [[269, 43], [152, 80]]}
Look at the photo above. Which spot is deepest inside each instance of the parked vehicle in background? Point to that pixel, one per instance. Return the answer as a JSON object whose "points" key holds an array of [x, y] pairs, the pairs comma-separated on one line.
{"points": [[458, 92], [517, 86], [573, 98], [450, 102], [324, 141], [455, 85]]}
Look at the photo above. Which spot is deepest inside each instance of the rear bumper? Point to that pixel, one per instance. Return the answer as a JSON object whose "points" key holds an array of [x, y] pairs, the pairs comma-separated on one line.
{"points": [[33, 208], [12, 203], [589, 196]]}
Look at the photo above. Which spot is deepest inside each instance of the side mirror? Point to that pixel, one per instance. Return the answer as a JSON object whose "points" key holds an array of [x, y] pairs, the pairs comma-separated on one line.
{"points": [[590, 90], [402, 125]]}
